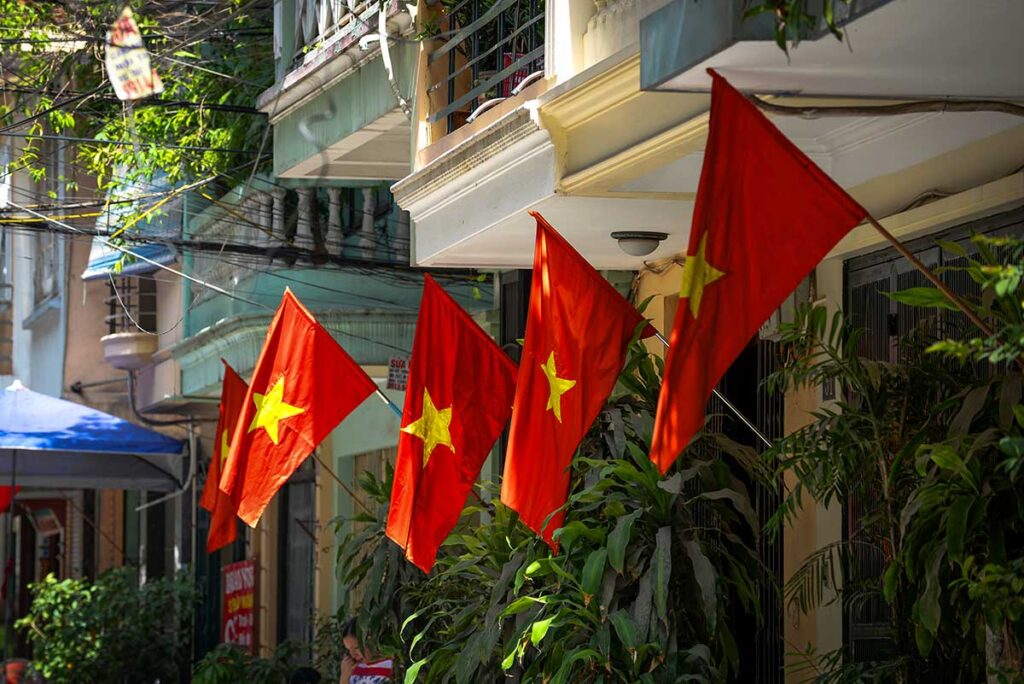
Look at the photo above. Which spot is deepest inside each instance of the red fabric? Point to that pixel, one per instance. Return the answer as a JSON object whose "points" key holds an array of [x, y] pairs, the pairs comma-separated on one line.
{"points": [[579, 316], [317, 378], [768, 215], [223, 529], [5, 497], [465, 371]]}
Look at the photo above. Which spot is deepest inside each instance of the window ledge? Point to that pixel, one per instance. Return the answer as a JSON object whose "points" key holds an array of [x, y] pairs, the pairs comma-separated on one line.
{"points": [[50, 306]]}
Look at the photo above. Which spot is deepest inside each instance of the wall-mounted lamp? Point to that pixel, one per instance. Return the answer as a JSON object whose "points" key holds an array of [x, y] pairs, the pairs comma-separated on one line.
{"points": [[638, 242]]}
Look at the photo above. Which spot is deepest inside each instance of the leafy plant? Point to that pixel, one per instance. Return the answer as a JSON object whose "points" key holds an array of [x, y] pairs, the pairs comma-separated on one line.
{"points": [[649, 578], [111, 630], [929, 450], [794, 20], [229, 664]]}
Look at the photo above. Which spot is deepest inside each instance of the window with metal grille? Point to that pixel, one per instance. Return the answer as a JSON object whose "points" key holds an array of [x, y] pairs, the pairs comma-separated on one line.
{"points": [[885, 322], [131, 304]]}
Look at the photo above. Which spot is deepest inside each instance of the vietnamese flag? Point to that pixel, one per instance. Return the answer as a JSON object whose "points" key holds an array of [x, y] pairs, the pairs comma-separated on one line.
{"points": [[457, 402], [765, 216], [7, 494], [577, 331], [303, 385], [223, 529]]}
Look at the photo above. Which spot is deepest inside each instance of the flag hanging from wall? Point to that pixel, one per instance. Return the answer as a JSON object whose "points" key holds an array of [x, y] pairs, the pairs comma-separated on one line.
{"points": [[765, 216], [223, 528], [303, 385], [457, 402], [577, 331]]}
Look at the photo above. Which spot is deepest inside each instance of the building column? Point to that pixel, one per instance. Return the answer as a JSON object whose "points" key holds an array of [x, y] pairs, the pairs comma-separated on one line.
{"points": [[367, 241], [304, 226], [334, 220]]}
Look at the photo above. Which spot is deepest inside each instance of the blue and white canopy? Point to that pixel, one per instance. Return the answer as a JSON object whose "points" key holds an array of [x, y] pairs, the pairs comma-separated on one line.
{"points": [[152, 234], [51, 442]]}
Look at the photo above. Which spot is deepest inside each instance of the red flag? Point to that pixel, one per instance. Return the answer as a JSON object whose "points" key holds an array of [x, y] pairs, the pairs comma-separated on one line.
{"points": [[458, 400], [577, 331], [223, 528], [303, 385], [6, 495], [765, 216]]}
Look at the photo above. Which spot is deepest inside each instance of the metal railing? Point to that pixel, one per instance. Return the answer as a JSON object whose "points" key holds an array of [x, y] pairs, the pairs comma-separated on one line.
{"points": [[131, 304], [319, 22], [494, 45]]}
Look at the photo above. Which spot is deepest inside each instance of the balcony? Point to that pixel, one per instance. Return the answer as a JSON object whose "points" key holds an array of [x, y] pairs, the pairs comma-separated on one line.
{"points": [[485, 53], [310, 238], [339, 106]]}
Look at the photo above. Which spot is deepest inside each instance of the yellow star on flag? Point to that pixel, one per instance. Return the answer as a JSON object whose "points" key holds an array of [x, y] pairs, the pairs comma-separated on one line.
{"points": [[432, 427], [557, 385], [271, 410], [697, 274], [224, 447]]}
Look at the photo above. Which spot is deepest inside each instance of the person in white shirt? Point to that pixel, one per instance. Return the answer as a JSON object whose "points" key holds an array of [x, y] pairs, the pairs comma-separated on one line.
{"points": [[359, 667]]}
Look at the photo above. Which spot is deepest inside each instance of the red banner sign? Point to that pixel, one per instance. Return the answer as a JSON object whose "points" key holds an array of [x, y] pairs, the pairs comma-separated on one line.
{"points": [[237, 622]]}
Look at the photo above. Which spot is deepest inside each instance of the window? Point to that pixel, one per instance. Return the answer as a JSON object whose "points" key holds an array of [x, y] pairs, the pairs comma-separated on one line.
{"points": [[46, 271], [131, 304], [885, 322], [296, 557]]}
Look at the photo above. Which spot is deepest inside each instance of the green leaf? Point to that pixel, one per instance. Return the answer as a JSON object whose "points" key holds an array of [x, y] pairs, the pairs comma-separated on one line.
{"points": [[945, 456], [1012, 446], [624, 628], [414, 670], [956, 526], [540, 629], [593, 571], [661, 564], [707, 580], [927, 297], [890, 581], [618, 540], [520, 604]]}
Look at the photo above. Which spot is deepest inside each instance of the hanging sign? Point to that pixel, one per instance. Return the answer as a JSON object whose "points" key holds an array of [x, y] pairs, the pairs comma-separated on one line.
{"points": [[237, 621], [127, 60], [398, 373]]}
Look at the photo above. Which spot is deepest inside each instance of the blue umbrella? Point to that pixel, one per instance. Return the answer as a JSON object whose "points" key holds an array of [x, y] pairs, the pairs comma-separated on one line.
{"points": [[51, 442]]}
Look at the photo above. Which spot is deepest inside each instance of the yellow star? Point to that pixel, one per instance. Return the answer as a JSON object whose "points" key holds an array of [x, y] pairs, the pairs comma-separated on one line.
{"points": [[432, 427], [224, 446], [271, 410], [557, 385], [697, 274]]}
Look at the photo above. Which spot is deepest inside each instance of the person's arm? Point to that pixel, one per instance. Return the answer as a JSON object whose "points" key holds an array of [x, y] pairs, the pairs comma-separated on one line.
{"points": [[348, 665]]}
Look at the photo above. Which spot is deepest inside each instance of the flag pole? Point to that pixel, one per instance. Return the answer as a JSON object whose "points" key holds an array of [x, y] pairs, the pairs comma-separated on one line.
{"points": [[728, 404], [390, 404], [330, 471], [939, 285]]}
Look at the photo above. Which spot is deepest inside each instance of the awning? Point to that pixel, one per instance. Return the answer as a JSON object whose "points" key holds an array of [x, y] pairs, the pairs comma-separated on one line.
{"points": [[50, 442], [149, 237]]}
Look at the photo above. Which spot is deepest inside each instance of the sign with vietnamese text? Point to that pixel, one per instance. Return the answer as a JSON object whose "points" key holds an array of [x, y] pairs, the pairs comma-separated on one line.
{"points": [[239, 598], [127, 60], [398, 373]]}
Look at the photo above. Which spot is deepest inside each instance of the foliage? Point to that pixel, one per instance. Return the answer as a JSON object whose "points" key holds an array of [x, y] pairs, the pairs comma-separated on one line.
{"points": [[111, 630], [930, 448], [213, 59], [649, 581], [229, 664], [794, 20]]}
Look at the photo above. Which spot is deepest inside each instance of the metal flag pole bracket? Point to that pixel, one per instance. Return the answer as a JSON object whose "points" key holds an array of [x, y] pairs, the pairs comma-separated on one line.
{"points": [[729, 405]]}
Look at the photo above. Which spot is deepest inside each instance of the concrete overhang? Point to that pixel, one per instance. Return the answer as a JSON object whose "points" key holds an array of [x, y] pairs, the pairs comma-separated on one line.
{"points": [[336, 115], [892, 49]]}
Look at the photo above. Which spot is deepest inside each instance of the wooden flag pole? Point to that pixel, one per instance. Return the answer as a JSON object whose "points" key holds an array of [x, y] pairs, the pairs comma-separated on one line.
{"points": [[337, 479], [939, 285]]}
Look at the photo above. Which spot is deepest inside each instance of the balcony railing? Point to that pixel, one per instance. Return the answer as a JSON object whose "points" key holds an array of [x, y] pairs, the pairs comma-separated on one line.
{"points": [[492, 47], [323, 23], [312, 226]]}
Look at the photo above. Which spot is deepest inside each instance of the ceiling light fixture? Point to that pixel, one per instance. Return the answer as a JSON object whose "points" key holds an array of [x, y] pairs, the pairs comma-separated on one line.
{"points": [[638, 242]]}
